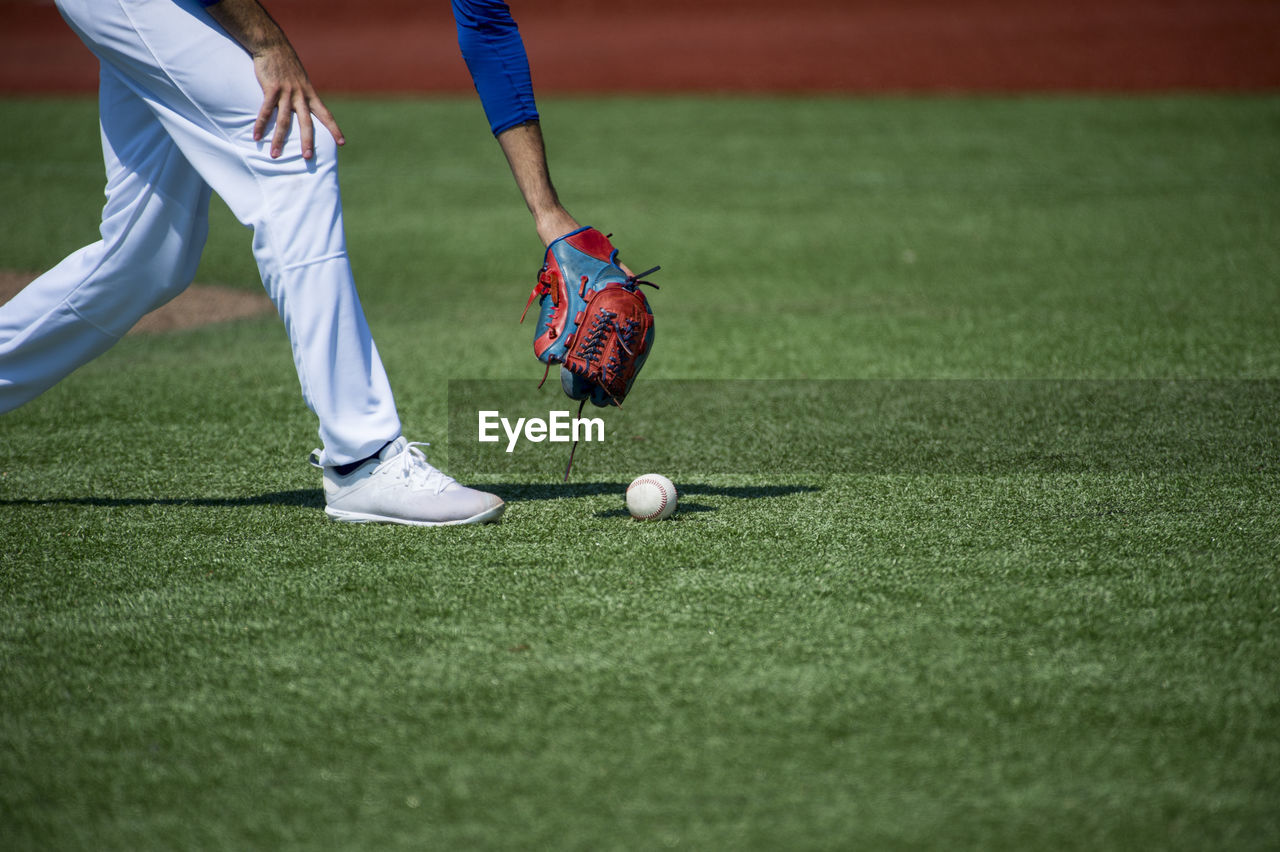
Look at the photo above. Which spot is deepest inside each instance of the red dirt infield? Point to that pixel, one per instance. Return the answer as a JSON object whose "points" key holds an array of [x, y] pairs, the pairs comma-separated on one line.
{"points": [[853, 46]]}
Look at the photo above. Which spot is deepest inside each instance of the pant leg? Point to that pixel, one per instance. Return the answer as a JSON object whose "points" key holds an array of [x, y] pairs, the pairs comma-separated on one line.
{"points": [[200, 85], [153, 229]]}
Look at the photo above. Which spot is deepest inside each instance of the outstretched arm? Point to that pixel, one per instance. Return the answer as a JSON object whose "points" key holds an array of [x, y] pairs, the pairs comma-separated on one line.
{"points": [[286, 88], [495, 55]]}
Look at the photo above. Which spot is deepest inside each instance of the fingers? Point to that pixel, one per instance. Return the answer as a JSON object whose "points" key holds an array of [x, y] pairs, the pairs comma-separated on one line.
{"points": [[304, 105], [284, 119], [264, 115], [274, 101], [312, 105], [320, 111], [285, 103], [305, 126]]}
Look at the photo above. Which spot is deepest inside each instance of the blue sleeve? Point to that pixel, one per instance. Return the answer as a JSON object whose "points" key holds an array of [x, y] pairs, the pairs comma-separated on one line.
{"points": [[496, 58]]}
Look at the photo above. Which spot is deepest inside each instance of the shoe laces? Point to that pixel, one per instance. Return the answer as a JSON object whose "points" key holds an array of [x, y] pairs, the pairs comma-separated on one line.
{"points": [[418, 472]]}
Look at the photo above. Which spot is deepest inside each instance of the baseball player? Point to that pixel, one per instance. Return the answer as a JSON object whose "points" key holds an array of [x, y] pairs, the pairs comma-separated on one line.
{"points": [[188, 90]]}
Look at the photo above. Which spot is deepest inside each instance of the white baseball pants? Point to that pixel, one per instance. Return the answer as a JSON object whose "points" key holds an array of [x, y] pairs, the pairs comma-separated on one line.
{"points": [[178, 99]]}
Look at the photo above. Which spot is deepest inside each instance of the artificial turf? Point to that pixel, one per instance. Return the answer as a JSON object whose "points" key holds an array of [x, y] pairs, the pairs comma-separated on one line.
{"points": [[853, 634]]}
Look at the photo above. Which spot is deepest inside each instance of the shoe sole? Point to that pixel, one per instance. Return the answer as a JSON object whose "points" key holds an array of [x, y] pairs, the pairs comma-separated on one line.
{"points": [[488, 516]]}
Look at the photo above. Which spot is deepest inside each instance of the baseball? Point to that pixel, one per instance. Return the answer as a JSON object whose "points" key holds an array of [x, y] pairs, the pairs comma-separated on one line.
{"points": [[651, 497]]}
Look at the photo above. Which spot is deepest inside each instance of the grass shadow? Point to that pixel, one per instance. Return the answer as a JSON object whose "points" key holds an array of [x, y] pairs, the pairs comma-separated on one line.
{"points": [[309, 498], [560, 490], [313, 498], [516, 492], [682, 509]]}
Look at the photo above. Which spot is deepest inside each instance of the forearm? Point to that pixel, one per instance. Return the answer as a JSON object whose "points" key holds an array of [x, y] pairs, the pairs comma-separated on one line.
{"points": [[248, 23], [527, 156]]}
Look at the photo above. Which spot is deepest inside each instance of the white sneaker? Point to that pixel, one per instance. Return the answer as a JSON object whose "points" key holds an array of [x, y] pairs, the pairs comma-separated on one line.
{"points": [[399, 487]]}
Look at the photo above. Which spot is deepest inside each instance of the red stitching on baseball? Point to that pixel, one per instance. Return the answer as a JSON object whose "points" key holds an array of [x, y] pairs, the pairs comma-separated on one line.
{"points": [[658, 485]]}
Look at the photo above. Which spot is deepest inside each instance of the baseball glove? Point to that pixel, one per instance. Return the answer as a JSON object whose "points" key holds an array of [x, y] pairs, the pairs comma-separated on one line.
{"points": [[593, 320]]}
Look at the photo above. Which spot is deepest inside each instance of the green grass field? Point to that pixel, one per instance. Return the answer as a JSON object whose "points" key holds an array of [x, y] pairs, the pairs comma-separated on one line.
{"points": [[1080, 652]]}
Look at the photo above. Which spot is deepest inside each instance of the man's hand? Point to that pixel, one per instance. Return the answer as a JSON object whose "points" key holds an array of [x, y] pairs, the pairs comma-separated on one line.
{"points": [[286, 88]]}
